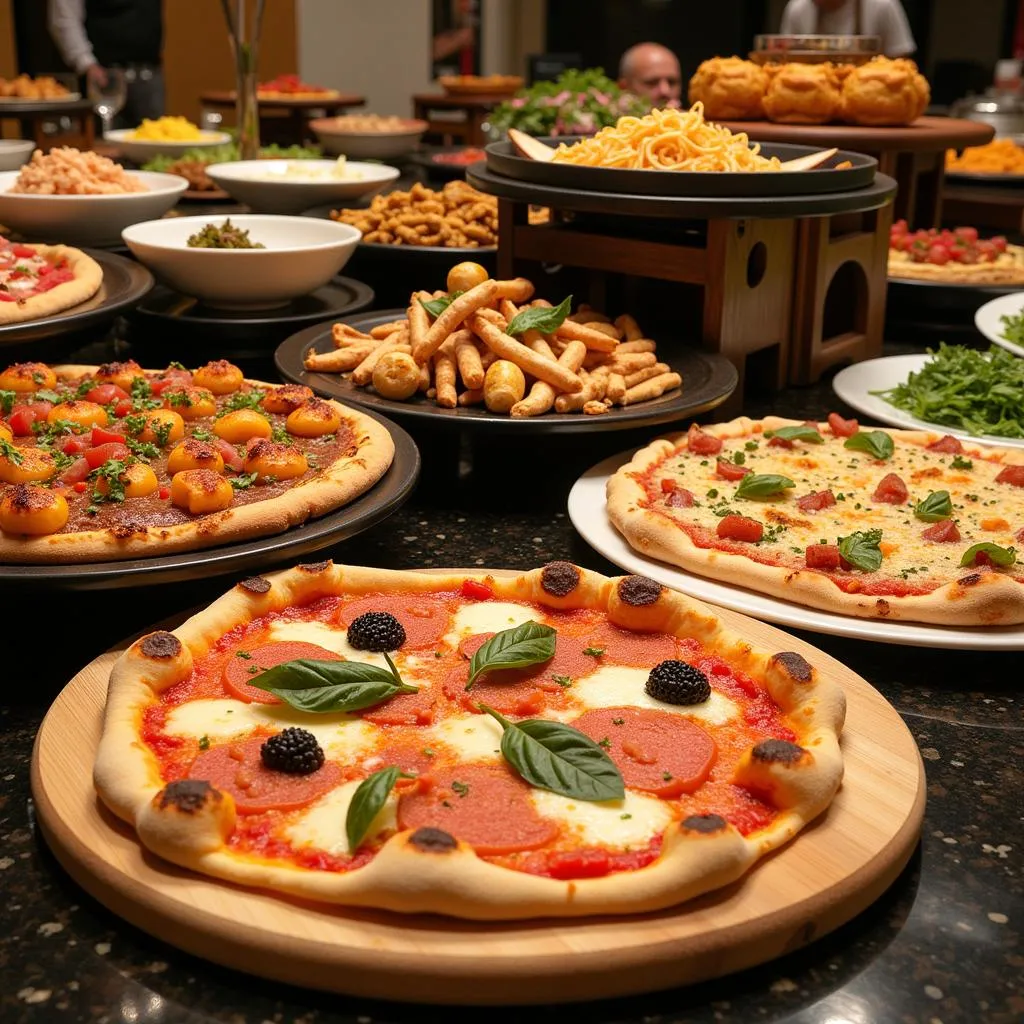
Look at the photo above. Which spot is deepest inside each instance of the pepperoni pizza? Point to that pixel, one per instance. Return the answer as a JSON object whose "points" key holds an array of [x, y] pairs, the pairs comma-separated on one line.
{"points": [[39, 280], [876, 523], [556, 743]]}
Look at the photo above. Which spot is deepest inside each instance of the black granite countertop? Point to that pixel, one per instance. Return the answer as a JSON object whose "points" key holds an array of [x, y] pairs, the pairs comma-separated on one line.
{"points": [[942, 946]]}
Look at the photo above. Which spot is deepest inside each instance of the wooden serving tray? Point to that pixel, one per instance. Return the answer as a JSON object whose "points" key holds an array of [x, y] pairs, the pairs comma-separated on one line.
{"points": [[829, 873]]}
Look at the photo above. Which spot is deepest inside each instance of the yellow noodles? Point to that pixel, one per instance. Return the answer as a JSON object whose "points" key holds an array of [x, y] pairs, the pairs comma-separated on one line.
{"points": [[668, 140]]}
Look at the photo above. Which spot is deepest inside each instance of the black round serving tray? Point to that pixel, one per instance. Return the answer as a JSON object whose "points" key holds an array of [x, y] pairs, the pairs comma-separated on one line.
{"points": [[503, 159], [921, 299], [636, 204], [384, 498], [125, 283], [989, 180], [424, 160], [708, 380]]}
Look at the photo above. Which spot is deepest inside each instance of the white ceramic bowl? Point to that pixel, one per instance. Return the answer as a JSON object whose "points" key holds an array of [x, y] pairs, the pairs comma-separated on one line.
{"points": [[989, 320], [15, 152], [141, 150], [301, 254], [251, 182], [363, 145], [86, 220]]}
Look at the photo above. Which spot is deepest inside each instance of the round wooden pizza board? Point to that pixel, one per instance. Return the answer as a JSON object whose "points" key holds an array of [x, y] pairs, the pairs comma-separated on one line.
{"points": [[830, 872]]}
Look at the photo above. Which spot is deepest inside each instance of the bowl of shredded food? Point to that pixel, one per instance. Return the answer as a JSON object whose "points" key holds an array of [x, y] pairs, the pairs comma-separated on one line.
{"points": [[165, 136], [246, 261], [999, 159], [82, 198], [368, 136]]}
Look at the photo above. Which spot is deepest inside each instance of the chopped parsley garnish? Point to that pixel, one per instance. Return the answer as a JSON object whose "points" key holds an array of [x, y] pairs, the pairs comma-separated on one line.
{"points": [[243, 482], [7, 401], [142, 449], [606, 743], [47, 433], [563, 680], [460, 789], [243, 654], [162, 430], [280, 436], [594, 652], [179, 398], [626, 816], [738, 458], [10, 452], [134, 423], [751, 446], [242, 400], [112, 470], [203, 435], [959, 462], [140, 389], [204, 742], [428, 752], [618, 721], [667, 776]]}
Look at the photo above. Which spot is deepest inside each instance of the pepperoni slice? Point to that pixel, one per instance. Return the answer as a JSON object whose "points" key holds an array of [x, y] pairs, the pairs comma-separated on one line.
{"points": [[816, 501], [657, 751], [424, 618], [411, 757], [730, 471], [239, 669], [625, 647], [487, 807], [680, 497], [841, 427], [891, 489], [947, 443], [1011, 475], [941, 532], [237, 768], [700, 442], [822, 556], [406, 709]]}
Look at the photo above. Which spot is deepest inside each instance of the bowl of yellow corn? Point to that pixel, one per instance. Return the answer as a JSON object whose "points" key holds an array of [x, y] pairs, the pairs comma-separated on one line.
{"points": [[163, 136]]}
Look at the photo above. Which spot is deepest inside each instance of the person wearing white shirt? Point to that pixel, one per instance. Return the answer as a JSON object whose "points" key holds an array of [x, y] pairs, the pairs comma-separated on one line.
{"points": [[883, 18]]}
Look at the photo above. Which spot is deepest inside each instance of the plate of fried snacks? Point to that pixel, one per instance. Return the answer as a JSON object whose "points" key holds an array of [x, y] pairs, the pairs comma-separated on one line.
{"points": [[999, 162], [680, 153], [44, 89], [489, 352]]}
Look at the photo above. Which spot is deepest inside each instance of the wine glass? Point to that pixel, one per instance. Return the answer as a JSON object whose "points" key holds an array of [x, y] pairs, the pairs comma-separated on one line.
{"points": [[108, 100]]}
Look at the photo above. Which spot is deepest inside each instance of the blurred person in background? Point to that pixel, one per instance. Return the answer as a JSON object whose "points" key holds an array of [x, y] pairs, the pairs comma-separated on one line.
{"points": [[883, 18], [651, 70], [94, 35]]}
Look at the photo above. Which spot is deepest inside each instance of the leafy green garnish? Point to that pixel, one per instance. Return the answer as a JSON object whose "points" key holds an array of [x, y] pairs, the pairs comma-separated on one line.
{"points": [[546, 319], [528, 644], [959, 462], [203, 435], [877, 443], [242, 400], [368, 801], [112, 470], [1003, 557], [763, 485], [7, 399], [435, 307], [142, 449], [797, 433], [862, 549], [10, 452], [45, 395], [244, 481], [46, 433], [936, 507]]}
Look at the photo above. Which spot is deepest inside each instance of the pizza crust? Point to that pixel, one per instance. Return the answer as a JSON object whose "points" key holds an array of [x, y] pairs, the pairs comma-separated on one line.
{"points": [[973, 599], [698, 855], [337, 485], [1008, 268], [86, 283]]}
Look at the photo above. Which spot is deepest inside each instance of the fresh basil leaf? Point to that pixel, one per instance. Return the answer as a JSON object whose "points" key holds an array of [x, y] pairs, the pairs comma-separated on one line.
{"points": [[528, 644], [435, 307], [862, 549], [11, 452], [557, 757], [7, 401], [763, 485], [324, 687], [797, 433], [936, 507], [546, 319], [368, 801], [876, 443], [1003, 557]]}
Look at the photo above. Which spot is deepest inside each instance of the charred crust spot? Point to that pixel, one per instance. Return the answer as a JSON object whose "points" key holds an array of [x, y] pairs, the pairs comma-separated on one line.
{"points": [[777, 752], [125, 531], [639, 591], [703, 823], [26, 498], [313, 567], [559, 579], [161, 645], [200, 450], [970, 580], [795, 665], [204, 480], [255, 585], [882, 607], [112, 369], [318, 409], [433, 840], [188, 795]]}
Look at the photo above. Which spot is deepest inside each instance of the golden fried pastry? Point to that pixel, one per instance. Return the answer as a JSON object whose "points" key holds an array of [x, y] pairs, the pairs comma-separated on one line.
{"points": [[884, 92], [803, 94], [730, 89]]}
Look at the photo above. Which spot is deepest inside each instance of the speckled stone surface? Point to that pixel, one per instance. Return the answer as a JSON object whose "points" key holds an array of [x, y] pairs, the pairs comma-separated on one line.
{"points": [[942, 946]]}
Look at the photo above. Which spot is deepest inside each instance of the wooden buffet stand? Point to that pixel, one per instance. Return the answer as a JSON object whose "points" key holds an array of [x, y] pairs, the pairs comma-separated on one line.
{"points": [[474, 107], [292, 114], [40, 117]]}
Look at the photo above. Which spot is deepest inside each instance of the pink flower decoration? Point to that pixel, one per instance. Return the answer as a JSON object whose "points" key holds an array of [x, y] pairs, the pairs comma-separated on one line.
{"points": [[518, 102]]}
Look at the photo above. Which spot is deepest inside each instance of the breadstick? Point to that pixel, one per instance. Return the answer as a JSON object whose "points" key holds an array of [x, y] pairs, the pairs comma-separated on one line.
{"points": [[595, 340], [542, 395], [574, 403], [473, 397], [467, 358], [342, 334], [610, 329], [383, 330], [632, 379], [419, 321], [652, 388], [586, 315], [595, 408], [526, 359], [519, 289], [424, 384], [337, 361], [508, 310], [451, 318], [636, 345], [444, 377], [616, 387], [632, 361], [363, 373], [629, 327]]}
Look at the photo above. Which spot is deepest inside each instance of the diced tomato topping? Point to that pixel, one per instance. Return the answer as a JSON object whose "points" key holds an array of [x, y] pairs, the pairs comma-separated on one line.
{"points": [[941, 532], [822, 556], [123, 408], [891, 489], [568, 864], [816, 502], [968, 234], [680, 498], [80, 486], [97, 456], [76, 445], [476, 591], [780, 442], [1011, 475], [104, 394], [733, 527], [170, 378], [24, 416], [102, 436], [668, 485], [730, 471], [841, 427], [229, 454], [700, 442], [23, 252], [164, 493], [947, 443], [76, 472]]}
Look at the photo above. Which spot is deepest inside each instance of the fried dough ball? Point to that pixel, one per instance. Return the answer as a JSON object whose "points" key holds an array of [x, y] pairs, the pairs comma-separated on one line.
{"points": [[271, 459], [396, 375], [803, 94], [884, 92], [138, 479], [32, 510], [504, 385], [219, 376], [27, 377], [194, 454], [122, 374], [241, 425], [466, 275], [730, 89], [286, 398], [201, 490], [313, 419], [80, 412], [191, 403], [163, 424], [32, 464]]}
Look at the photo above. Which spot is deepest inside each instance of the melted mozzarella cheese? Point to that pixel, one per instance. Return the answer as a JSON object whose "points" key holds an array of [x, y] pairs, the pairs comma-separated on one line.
{"points": [[488, 617], [322, 825], [473, 737], [329, 637], [627, 822], [612, 686]]}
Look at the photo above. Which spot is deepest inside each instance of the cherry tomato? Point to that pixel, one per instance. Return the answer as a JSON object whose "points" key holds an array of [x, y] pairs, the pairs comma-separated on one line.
{"points": [[104, 394], [97, 456], [76, 473], [477, 591], [967, 234], [76, 445], [123, 408], [101, 436], [939, 255], [24, 416], [164, 493], [999, 241], [80, 487]]}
